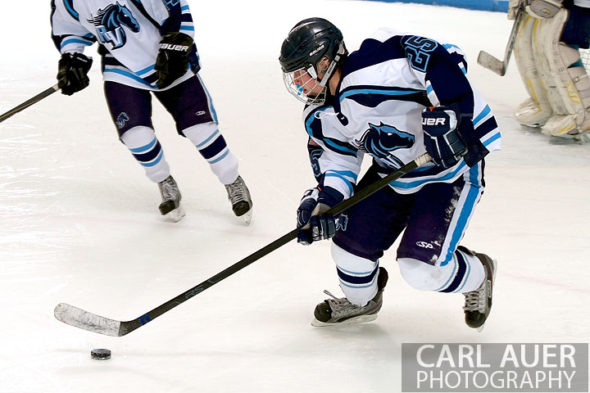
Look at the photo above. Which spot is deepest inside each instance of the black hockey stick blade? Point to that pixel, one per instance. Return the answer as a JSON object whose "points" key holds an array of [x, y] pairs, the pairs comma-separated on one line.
{"points": [[45, 93], [500, 66], [82, 319]]}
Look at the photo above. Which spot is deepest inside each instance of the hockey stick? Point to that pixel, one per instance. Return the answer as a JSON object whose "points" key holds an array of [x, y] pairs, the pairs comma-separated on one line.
{"points": [[498, 66], [29, 102], [79, 318]]}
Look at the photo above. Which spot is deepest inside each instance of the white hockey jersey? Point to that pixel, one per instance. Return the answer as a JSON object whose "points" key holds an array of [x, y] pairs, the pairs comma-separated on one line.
{"points": [[377, 108], [128, 32]]}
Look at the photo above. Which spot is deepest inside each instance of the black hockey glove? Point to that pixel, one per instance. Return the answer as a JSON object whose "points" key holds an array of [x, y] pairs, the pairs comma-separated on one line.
{"points": [[441, 136], [72, 74], [172, 60], [314, 225]]}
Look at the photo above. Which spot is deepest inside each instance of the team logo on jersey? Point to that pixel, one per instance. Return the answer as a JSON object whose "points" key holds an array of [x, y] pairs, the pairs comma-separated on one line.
{"points": [[122, 119], [380, 141], [110, 24]]}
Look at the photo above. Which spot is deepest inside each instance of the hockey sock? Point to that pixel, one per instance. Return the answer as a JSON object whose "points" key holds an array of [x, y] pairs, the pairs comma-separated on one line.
{"points": [[358, 276], [146, 149], [212, 146], [463, 273]]}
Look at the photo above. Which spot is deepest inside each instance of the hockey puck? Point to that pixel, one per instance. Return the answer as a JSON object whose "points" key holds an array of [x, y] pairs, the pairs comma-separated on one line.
{"points": [[100, 354]]}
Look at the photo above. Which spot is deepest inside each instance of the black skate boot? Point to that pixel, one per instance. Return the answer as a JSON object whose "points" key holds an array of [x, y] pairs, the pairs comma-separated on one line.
{"points": [[170, 206], [240, 199], [478, 303], [339, 311]]}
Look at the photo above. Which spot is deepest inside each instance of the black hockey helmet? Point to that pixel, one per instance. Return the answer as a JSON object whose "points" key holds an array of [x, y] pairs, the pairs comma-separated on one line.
{"points": [[308, 42]]}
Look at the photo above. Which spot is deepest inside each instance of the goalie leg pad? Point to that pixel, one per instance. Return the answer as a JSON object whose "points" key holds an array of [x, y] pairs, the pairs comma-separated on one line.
{"points": [[569, 87], [535, 111]]}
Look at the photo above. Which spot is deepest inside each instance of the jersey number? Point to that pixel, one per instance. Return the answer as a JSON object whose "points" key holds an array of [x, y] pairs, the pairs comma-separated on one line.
{"points": [[418, 50]]}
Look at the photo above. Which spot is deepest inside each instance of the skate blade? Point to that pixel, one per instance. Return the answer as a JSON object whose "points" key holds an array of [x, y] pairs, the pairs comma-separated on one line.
{"points": [[245, 218], [352, 321], [175, 215], [495, 265]]}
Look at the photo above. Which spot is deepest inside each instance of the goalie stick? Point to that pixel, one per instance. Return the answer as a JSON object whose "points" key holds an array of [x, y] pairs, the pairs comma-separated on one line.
{"points": [[498, 66], [29, 102], [82, 319]]}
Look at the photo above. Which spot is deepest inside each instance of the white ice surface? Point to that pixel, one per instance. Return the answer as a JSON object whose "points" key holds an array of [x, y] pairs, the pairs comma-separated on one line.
{"points": [[79, 224]]}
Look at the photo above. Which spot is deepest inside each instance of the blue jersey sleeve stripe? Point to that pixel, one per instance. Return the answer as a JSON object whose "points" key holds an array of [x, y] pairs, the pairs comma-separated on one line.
{"points": [[482, 114], [350, 174], [345, 180]]}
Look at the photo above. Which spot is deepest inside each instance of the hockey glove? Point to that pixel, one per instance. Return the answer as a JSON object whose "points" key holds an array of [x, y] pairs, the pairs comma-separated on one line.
{"points": [[72, 74], [314, 225], [172, 60], [441, 136]]}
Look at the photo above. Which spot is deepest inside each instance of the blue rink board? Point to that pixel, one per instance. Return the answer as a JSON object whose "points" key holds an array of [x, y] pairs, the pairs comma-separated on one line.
{"points": [[483, 5]]}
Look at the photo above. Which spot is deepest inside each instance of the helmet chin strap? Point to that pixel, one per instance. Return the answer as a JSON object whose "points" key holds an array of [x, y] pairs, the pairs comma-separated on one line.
{"points": [[332, 66]]}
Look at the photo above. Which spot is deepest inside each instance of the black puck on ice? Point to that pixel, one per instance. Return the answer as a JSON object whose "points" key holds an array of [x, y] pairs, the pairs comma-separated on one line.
{"points": [[100, 354]]}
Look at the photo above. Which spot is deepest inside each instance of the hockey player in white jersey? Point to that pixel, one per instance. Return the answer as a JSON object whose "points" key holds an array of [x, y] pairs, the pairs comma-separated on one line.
{"points": [[548, 59], [394, 99], [147, 46]]}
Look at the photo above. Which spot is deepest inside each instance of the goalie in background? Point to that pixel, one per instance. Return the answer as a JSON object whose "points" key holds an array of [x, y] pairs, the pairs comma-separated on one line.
{"points": [[548, 59]]}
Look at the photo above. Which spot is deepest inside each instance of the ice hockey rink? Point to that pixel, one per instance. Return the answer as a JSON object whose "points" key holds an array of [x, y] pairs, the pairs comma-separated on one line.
{"points": [[79, 223]]}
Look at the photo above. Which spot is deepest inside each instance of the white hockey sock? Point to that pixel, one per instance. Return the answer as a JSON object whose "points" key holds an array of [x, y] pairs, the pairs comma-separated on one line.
{"points": [[212, 146], [146, 149], [358, 276], [464, 273]]}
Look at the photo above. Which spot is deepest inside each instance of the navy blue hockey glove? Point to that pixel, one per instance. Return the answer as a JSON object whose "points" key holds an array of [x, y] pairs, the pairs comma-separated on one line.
{"points": [[314, 225], [172, 60], [441, 136], [72, 74]]}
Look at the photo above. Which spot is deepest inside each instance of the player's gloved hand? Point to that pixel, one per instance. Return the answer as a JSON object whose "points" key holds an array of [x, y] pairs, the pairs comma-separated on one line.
{"points": [[72, 74], [172, 60], [441, 136], [314, 225]]}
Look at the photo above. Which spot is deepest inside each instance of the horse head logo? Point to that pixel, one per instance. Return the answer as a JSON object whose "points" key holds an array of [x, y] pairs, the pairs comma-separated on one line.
{"points": [[110, 24], [381, 140]]}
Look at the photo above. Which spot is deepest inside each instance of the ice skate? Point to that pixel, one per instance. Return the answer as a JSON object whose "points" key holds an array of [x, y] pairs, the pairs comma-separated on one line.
{"points": [[339, 311], [170, 206], [241, 202], [478, 303]]}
